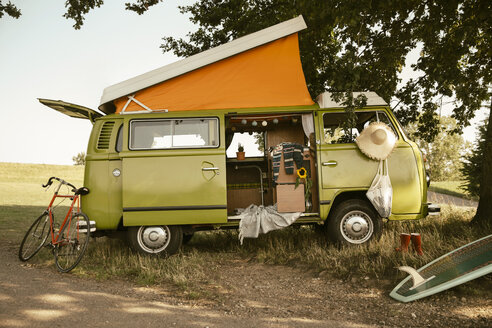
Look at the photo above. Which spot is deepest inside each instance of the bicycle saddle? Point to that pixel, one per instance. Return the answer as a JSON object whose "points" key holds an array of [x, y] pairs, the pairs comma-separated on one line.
{"points": [[82, 191]]}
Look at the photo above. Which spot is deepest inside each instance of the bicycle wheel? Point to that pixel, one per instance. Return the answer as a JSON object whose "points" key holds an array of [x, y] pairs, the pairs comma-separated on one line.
{"points": [[74, 238], [35, 237]]}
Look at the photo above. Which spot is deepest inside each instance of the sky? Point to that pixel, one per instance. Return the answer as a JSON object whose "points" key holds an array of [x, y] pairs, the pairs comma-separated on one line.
{"points": [[42, 56]]}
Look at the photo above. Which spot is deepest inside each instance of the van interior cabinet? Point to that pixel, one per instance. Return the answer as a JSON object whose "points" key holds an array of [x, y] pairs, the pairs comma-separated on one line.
{"points": [[289, 198], [245, 180]]}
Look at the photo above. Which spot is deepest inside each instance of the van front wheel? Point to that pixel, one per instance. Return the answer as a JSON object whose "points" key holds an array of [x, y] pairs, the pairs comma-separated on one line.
{"points": [[354, 222], [158, 240]]}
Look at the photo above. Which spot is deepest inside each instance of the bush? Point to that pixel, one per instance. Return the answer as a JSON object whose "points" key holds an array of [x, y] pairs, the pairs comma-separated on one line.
{"points": [[79, 159], [444, 152], [472, 164]]}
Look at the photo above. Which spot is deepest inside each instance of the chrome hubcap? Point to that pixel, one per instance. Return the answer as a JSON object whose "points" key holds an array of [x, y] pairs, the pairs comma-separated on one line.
{"points": [[356, 227], [153, 239]]}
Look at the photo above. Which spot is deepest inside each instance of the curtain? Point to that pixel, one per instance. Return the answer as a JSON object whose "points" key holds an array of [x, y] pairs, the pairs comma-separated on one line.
{"points": [[307, 124]]}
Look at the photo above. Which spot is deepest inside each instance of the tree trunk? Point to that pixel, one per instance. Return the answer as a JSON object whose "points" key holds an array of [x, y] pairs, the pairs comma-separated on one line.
{"points": [[484, 210]]}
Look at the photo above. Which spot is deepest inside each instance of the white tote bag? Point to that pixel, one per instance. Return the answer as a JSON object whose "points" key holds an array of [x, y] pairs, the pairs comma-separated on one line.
{"points": [[381, 193]]}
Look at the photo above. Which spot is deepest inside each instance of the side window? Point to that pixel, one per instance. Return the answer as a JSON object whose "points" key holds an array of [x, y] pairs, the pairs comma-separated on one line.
{"points": [[174, 133], [334, 130], [119, 140], [337, 130]]}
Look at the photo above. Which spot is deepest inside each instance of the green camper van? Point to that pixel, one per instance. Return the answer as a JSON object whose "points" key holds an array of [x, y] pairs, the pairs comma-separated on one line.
{"points": [[158, 168]]}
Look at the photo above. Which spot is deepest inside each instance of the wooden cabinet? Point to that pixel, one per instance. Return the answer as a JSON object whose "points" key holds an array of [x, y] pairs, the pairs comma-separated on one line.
{"points": [[289, 198]]}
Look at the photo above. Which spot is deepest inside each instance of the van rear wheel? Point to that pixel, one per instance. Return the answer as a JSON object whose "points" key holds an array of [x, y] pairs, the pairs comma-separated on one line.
{"points": [[354, 222], [158, 240]]}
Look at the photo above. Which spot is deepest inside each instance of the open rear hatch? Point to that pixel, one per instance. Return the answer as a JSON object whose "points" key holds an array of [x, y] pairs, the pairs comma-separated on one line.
{"points": [[71, 110]]}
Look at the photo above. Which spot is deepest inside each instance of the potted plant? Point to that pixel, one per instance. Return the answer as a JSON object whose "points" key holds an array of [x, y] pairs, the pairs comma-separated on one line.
{"points": [[240, 152]]}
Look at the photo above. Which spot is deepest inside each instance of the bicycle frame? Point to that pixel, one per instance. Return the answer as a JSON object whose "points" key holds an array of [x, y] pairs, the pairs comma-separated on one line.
{"points": [[75, 203]]}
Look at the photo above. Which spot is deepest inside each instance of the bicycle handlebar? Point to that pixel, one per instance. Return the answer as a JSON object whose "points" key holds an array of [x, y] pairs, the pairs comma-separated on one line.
{"points": [[50, 182]]}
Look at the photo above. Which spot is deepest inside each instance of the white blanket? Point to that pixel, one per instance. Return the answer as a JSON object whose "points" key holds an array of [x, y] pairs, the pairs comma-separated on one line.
{"points": [[259, 219]]}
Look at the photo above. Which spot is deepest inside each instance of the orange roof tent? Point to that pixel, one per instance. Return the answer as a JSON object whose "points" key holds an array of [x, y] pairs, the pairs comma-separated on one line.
{"points": [[262, 69]]}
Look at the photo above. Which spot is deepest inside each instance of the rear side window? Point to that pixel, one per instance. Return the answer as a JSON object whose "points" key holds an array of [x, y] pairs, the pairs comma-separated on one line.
{"points": [[336, 130], [119, 140], [174, 133]]}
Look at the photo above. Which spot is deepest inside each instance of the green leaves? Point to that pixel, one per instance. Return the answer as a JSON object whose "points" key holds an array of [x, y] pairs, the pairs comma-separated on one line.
{"points": [[76, 9], [10, 9], [362, 45], [141, 6]]}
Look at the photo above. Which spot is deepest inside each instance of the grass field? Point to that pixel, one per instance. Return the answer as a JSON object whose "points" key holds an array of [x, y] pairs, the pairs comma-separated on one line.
{"points": [[197, 263], [20, 184]]}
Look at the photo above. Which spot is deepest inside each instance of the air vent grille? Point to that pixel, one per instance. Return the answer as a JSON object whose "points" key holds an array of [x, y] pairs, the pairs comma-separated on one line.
{"points": [[105, 135]]}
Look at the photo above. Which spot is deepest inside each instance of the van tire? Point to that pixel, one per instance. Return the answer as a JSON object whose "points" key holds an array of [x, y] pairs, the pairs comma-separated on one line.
{"points": [[155, 240], [354, 222]]}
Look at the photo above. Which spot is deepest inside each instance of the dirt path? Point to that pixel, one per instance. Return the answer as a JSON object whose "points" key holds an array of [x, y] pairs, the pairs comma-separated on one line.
{"points": [[442, 199], [246, 295]]}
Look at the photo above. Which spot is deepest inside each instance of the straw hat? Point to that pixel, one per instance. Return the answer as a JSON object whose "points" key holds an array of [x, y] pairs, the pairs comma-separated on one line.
{"points": [[376, 141]]}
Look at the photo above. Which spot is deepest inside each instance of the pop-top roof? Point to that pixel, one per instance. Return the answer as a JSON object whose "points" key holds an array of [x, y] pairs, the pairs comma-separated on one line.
{"points": [[325, 100], [259, 69]]}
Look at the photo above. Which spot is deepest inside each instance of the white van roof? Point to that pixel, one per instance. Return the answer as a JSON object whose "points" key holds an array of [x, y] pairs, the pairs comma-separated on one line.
{"points": [[325, 100], [201, 59]]}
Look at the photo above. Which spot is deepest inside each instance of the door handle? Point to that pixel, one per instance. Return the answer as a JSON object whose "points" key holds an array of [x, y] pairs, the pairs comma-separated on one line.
{"points": [[330, 163], [215, 169]]}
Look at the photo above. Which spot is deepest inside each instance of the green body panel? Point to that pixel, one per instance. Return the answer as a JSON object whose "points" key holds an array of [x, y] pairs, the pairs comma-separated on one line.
{"points": [[115, 204], [179, 217], [333, 193], [95, 204], [174, 180], [164, 179], [95, 178], [404, 217], [103, 203], [419, 161], [421, 171], [169, 187], [328, 195], [355, 171]]}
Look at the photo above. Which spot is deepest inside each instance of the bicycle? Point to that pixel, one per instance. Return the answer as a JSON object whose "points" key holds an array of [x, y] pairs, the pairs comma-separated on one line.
{"points": [[69, 240]]}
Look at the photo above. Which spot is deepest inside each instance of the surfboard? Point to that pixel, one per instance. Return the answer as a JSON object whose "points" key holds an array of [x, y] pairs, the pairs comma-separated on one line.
{"points": [[463, 264]]}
